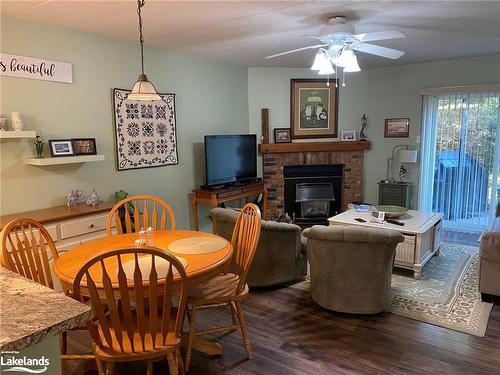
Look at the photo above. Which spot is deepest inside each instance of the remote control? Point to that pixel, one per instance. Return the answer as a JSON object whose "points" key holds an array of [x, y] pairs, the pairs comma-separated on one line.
{"points": [[395, 222], [358, 219]]}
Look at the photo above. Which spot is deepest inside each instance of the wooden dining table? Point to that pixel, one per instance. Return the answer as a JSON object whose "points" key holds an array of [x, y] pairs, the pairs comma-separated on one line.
{"points": [[199, 266]]}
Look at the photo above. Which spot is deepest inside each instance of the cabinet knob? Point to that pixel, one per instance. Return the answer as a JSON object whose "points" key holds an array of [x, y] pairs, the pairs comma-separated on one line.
{"points": [[91, 226]]}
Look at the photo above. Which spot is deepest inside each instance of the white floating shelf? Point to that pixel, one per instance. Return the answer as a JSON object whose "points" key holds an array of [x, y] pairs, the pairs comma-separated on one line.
{"points": [[63, 160], [17, 134]]}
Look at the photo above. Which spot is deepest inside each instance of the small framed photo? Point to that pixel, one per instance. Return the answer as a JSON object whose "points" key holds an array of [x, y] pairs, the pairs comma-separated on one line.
{"points": [[348, 135], [84, 146], [397, 128], [282, 135], [61, 147]]}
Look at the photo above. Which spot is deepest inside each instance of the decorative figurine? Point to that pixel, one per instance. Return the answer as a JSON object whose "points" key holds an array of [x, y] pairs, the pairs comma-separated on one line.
{"points": [[364, 122], [93, 198], [73, 197], [17, 121], [39, 147], [403, 173], [3, 124]]}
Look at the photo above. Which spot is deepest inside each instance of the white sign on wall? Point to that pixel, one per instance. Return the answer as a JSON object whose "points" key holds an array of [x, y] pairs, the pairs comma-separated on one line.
{"points": [[33, 68]]}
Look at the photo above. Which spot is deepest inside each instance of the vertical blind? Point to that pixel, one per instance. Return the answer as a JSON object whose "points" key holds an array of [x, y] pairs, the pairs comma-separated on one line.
{"points": [[460, 158]]}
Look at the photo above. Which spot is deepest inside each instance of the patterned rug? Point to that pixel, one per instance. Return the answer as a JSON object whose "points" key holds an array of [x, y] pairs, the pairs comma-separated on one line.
{"points": [[447, 294]]}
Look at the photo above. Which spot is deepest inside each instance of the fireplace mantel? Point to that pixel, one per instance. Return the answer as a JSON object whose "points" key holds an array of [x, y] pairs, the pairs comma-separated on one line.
{"points": [[279, 148]]}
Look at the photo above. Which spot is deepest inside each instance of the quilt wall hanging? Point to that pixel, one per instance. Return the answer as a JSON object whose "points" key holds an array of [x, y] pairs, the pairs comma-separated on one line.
{"points": [[145, 131]]}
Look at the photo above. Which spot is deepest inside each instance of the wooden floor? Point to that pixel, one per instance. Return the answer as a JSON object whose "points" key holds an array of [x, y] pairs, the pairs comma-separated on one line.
{"points": [[290, 334]]}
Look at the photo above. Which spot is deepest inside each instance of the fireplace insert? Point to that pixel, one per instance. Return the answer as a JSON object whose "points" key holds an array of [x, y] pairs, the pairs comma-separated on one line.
{"points": [[312, 193]]}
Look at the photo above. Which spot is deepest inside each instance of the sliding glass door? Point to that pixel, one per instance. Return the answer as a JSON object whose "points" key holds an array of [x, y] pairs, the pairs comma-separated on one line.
{"points": [[460, 164]]}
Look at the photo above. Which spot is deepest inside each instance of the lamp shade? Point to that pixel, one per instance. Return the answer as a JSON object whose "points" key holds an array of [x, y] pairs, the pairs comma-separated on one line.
{"points": [[143, 90], [349, 61], [408, 156]]}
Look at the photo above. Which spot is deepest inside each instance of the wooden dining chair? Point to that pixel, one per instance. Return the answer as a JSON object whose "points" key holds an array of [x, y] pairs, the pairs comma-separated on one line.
{"points": [[140, 211], [228, 289], [28, 249], [137, 325]]}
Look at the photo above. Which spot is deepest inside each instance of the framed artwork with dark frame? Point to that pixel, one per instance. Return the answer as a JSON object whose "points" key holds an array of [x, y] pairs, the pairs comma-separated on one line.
{"points": [[84, 146], [282, 135], [313, 108], [61, 147], [397, 127]]}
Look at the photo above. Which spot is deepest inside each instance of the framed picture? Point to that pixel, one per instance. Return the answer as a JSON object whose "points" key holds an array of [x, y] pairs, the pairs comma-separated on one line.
{"points": [[348, 135], [84, 146], [313, 108], [397, 128], [61, 147], [282, 135]]}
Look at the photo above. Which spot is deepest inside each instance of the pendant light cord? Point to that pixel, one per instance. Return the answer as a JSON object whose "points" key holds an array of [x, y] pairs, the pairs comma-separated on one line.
{"points": [[140, 4]]}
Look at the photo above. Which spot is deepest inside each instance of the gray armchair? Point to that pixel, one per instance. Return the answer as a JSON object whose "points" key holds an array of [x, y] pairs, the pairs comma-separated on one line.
{"points": [[351, 267], [280, 256], [489, 260]]}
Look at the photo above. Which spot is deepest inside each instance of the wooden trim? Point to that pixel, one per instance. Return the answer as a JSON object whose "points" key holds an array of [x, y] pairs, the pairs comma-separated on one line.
{"points": [[457, 89], [277, 148], [265, 125]]}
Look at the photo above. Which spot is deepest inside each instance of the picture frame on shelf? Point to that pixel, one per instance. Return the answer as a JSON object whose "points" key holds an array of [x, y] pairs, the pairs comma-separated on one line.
{"points": [[348, 135], [84, 146], [61, 147], [313, 108], [282, 135], [397, 127]]}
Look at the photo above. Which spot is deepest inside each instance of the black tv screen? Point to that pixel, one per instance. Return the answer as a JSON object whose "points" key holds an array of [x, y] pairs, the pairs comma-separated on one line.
{"points": [[229, 158]]}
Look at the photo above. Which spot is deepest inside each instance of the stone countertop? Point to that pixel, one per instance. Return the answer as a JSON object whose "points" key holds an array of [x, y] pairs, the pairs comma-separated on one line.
{"points": [[29, 312]]}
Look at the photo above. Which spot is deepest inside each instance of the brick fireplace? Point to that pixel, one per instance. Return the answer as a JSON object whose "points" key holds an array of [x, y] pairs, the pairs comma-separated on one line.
{"points": [[350, 155]]}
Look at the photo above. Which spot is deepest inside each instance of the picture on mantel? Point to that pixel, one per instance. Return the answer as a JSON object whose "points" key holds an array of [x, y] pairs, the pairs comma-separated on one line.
{"points": [[145, 131]]}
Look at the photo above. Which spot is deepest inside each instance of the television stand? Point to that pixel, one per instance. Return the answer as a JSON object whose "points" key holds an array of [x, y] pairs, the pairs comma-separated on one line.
{"points": [[215, 197]]}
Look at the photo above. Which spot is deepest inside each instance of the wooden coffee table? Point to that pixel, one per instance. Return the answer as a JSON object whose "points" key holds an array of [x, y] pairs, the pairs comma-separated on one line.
{"points": [[422, 232]]}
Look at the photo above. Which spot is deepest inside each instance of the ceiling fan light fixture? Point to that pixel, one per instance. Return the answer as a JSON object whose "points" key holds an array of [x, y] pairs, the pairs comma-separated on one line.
{"points": [[319, 60], [327, 68], [143, 89], [349, 61]]}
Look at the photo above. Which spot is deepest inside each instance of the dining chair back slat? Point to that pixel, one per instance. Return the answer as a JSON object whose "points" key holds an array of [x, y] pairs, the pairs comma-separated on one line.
{"points": [[138, 315], [26, 245], [140, 211]]}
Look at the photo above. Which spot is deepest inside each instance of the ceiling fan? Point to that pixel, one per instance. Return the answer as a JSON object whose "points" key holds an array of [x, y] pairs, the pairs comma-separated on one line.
{"points": [[338, 43]]}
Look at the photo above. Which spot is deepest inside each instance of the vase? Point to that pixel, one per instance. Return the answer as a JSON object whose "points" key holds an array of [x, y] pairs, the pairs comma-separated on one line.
{"points": [[17, 121]]}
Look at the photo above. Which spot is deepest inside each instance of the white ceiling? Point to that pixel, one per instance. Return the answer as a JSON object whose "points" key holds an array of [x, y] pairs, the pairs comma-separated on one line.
{"points": [[244, 32]]}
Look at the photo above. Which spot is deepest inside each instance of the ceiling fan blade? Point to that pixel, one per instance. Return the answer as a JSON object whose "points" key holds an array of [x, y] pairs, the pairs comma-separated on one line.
{"points": [[380, 35], [297, 50], [388, 53]]}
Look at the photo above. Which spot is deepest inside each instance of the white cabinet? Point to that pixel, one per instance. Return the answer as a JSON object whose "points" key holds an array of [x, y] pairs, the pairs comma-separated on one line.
{"points": [[75, 232]]}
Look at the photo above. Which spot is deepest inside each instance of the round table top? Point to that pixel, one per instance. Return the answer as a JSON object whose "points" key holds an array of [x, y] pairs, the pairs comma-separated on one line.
{"points": [[199, 267]]}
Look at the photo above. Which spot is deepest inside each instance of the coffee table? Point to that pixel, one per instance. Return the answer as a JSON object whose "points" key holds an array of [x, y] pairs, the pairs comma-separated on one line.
{"points": [[421, 230]]}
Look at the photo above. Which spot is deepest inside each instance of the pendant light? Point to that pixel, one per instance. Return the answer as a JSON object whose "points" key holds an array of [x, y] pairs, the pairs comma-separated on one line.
{"points": [[143, 89]]}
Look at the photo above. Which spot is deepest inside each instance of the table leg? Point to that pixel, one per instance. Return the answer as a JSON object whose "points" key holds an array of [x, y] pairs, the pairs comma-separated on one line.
{"points": [[194, 205]]}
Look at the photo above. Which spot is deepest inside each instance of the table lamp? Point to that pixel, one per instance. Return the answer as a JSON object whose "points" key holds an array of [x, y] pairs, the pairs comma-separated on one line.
{"points": [[405, 155]]}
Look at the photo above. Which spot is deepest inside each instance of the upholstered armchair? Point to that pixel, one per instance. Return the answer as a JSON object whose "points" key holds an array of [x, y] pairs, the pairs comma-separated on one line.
{"points": [[280, 256], [351, 267], [489, 260]]}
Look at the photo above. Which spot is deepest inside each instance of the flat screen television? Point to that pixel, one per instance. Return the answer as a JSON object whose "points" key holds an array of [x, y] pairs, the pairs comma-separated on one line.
{"points": [[230, 158]]}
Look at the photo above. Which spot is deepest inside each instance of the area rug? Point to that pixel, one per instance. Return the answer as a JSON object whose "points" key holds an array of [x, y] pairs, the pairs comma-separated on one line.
{"points": [[446, 295]]}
